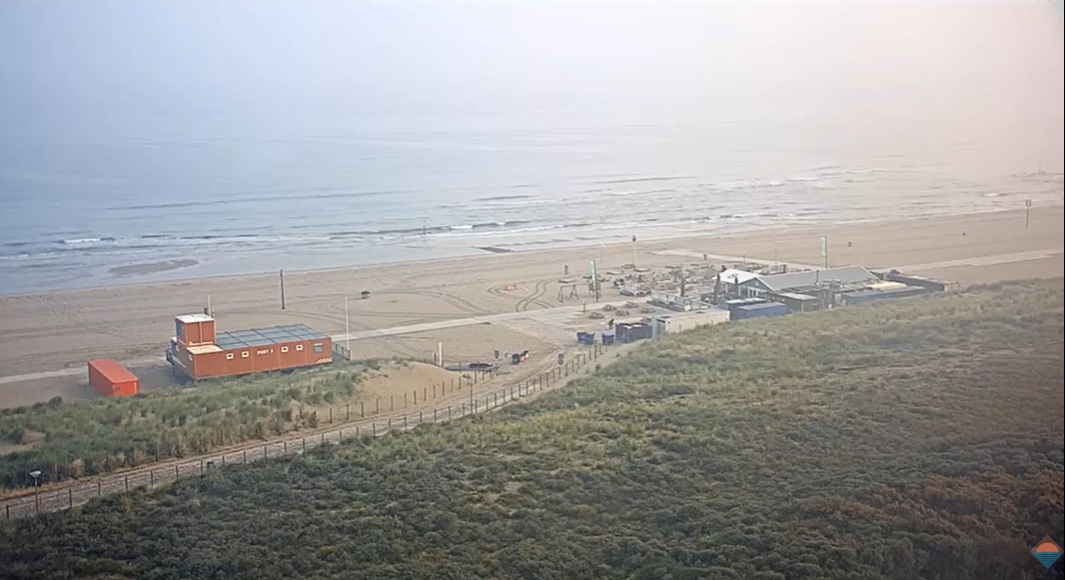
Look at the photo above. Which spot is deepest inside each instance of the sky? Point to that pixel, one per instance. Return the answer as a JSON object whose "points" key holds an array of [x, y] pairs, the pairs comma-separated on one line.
{"points": [[84, 60]]}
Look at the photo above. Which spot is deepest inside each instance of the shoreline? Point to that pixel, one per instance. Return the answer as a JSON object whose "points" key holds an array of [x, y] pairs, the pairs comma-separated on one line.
{"points": [[481, 253]]}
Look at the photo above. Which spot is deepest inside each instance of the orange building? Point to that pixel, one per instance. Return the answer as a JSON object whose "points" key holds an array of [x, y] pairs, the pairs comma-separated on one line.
{"points": [[111, 379], [199, 352]]}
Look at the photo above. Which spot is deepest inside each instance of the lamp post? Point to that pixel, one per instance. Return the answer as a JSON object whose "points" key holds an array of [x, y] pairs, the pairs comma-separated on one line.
{"points": [[36, 475]]}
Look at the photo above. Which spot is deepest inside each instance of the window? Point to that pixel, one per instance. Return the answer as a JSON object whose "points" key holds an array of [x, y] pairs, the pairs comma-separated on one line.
{"points": [[284, 349], [229, 356], [245, 354], [318, 347], [299, 347]]}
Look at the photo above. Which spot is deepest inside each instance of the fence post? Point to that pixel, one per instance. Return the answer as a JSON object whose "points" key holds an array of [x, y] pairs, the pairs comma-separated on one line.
{"points": [[449, 412], [99, 491], [265, 451], [151, 477], [374, 428], [201, 468], [404, 399], [323, 437], [7, 509], [245, 454], [362, 408], [452, 385], [223, 460], [419, 417], [176, 474], [304, 440], [404, 422], [340, 436], [378, 410], [285, 446], [356, 431], [434, 415], [389, 425], [127, 483], [330, 415], [70, 497]]}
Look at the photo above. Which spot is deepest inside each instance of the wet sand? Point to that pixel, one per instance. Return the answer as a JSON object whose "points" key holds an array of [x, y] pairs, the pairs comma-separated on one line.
{"points": [[150, 268]]}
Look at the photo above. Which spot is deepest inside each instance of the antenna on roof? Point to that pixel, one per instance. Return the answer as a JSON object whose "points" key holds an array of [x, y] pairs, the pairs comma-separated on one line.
{"points": [[208, 310]]}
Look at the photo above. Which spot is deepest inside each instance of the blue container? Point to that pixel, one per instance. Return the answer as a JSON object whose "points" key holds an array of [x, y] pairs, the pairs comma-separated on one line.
{"points": [[608, 337], [763, 310]]}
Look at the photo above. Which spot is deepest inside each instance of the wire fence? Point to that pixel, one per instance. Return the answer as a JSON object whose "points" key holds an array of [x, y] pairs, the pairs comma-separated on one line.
{"points": [[457, 401]]}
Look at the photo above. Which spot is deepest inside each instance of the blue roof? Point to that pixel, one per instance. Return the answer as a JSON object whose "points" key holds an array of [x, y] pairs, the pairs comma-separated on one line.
{"points": [[267, 336]]}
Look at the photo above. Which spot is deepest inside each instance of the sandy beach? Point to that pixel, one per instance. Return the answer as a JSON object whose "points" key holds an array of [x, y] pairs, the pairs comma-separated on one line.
{"points": [[49, 331]]}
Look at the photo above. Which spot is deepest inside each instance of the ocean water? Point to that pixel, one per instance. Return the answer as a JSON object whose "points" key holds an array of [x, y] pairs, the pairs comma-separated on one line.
{"points": [[253, 203], [114, 195]]}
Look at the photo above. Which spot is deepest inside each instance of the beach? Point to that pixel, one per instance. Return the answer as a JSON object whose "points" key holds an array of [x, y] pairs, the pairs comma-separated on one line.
{"points": [[49, 332]]}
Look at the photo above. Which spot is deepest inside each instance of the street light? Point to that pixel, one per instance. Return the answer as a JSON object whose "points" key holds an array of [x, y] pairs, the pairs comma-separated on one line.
{"points": [[36, 475]]}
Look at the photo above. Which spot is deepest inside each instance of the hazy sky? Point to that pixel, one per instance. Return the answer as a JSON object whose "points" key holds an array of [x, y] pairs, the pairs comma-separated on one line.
{"points": [[714, 61]]}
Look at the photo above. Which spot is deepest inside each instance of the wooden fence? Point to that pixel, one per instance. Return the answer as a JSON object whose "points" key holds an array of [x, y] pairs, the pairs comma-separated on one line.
{"points": [[373, 423]]}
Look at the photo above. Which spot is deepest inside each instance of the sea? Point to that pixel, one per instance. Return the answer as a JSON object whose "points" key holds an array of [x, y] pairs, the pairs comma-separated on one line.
{"points": [[127, 197]]}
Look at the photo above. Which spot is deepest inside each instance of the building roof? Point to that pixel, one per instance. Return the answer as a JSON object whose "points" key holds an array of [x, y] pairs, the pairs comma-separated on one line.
{"points": [[734, 276], [267, 336], [761, 306], [190, 318], [795, 296], [692, 313], [203, 349], [844, 275]]}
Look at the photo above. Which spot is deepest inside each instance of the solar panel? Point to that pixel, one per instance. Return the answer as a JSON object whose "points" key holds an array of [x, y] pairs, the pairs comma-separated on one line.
{"points": [[255, 337]]}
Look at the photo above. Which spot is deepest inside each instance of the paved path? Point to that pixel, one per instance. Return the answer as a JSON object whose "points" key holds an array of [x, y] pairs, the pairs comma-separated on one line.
{"points": [[734, 259], [985, 260], [545, 314]]}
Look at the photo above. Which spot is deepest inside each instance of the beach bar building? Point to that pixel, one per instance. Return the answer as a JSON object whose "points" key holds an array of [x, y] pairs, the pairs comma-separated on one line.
{"points": [[198, 352]]}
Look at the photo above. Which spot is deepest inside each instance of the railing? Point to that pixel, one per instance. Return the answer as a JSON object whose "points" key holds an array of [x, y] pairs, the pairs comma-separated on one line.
{"points": [[461, 402]]}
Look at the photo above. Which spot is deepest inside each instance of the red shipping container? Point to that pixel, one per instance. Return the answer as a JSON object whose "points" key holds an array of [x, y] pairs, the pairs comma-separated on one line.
{"points": [[111, 379]]}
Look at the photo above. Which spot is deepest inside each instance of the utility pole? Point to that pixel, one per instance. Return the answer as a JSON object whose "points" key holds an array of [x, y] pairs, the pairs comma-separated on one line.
{"points": [[347, 329], [1027, 211], [824, 250], [282, 289], [595, 280], [633, 251]]}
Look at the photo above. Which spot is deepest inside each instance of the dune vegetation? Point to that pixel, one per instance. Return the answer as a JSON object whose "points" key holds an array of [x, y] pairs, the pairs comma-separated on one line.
{"points": [[86, 438], [916, 439]]}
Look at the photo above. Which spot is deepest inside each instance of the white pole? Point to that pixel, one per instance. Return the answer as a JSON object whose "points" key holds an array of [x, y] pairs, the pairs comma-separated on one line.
{"points": [[347, 328], [209, 311], [440, 353]]}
